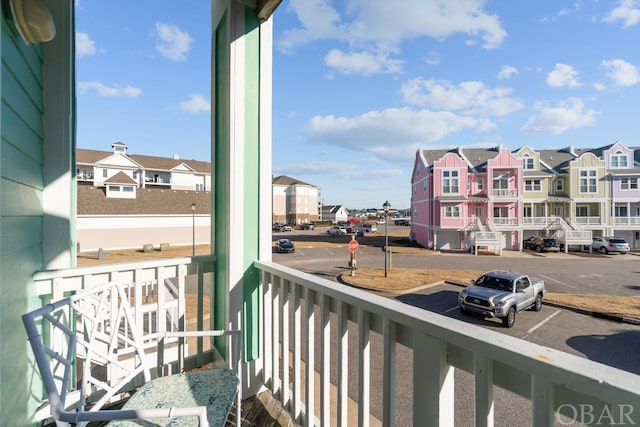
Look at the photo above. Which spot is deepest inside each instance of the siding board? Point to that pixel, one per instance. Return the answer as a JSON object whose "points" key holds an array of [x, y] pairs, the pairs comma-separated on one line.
{"points": [[16, 132], [20, 168], [19, 233], [19, 200]]}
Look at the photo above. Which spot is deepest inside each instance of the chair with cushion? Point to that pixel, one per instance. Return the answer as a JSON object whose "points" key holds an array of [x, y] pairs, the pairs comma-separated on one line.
{"points": [[101, 347]]}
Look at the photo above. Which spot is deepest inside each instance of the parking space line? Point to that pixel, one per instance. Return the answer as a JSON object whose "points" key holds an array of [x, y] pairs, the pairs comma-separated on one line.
{"points": [[582, 290], [534, 328], [300, 252], [449, 309]]}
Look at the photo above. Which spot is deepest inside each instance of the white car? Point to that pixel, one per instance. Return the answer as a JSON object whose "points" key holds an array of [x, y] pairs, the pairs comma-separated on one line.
{"points": [[605, 245], [337, 230]]}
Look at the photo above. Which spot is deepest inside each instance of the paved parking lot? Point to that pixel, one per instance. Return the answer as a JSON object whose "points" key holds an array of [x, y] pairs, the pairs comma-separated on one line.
{"points": [[615, 344]]}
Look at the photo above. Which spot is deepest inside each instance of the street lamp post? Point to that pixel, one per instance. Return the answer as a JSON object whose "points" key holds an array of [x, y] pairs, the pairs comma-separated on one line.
{"points": [[193, 216], [386, 207]]}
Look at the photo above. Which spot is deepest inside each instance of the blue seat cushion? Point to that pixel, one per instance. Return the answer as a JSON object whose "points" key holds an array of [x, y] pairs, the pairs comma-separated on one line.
{"points": [[214, 388]]}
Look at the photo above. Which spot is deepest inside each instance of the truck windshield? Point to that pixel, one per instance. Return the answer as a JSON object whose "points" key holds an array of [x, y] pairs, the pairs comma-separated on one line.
{"points": [[494, 283]]}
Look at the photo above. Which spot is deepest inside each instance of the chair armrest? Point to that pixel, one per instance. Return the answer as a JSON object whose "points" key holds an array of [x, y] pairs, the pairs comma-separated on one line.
{"points": [[128, 414]]}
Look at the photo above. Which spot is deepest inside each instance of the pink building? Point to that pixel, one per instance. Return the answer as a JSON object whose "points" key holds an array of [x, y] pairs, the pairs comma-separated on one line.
{"points": [[463, 199]]}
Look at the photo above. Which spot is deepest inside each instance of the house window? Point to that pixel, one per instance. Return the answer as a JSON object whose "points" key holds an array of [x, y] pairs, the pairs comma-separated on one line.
{"points": [[450, 182], [114, 188], [105, 173], [127, 189], [560, 185], [480, 184], [135, 174], [425, 184], [500, 212], [619, 160], [621, 211], [500, 180], [527, 162], [532, 185], [582, 211], [452, 211], [199, 187], [628, 183], [588, 181]]}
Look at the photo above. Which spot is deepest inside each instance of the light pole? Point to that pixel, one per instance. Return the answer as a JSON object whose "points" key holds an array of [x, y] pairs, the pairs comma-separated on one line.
{"points": [[193, 216], [386, 207]]}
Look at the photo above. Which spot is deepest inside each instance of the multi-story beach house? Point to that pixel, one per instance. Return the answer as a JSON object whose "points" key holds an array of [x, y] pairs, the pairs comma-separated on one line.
{"points": [[461, 196]]}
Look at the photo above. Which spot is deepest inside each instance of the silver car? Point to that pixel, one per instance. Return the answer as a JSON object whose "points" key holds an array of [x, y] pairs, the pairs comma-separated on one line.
{"points": [[605, 245]]}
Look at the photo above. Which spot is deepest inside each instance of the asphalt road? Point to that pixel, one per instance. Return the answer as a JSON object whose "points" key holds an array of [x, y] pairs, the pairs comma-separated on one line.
{"points": [[607, 342]]}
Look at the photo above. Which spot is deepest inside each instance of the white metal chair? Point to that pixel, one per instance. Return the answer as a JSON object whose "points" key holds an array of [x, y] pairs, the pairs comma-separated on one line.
{"points": [[97, 347]]}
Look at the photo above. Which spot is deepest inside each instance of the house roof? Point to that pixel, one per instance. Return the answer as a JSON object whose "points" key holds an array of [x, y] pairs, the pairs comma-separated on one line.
{"points": [[120, 178], [287, 180], [331, 208], [85, 156], [149, 201]]}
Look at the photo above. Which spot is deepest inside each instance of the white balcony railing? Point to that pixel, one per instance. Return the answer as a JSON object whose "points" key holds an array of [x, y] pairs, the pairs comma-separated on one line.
{"points": [[505, 221], [416, 350], [323, 340], [504, 193], [588, 220], [625, 220]]}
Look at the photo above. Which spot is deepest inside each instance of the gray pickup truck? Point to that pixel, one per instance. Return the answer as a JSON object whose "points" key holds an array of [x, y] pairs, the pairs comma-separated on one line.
{"points": [[502, 294]]}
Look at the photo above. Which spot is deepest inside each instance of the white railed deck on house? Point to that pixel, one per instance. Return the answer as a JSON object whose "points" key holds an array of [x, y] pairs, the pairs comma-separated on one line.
{"points": [[398, 362], [625, 221], [313, 319]]}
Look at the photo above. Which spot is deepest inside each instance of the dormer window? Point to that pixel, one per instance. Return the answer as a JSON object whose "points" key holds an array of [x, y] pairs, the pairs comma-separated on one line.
{"points": [[619, 160], [119, 147], [527, 163]]}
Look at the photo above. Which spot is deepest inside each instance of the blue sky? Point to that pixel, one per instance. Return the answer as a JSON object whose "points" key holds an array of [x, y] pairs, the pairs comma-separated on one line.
{"points": [[360, 85]]}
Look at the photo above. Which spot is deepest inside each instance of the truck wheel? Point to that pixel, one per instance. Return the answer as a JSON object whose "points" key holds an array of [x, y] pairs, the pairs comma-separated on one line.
{"points": [[510, 318], [464, 311], [538, 304], [538, 249]]}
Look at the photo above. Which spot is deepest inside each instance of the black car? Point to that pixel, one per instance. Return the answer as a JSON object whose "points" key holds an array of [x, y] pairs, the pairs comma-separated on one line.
{"points": [[542, 244], [307, 226], [285, 246]]}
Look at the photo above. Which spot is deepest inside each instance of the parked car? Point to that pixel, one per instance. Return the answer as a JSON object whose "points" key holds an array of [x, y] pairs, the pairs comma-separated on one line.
{"points": [[369, 228], [281, 227], [542, 244], [285, 246], [610, 244], [404, 222], [307, 226], [502, 294], [337, 230]]}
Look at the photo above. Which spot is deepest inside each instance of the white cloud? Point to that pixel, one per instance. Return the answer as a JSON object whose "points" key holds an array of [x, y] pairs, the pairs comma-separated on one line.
{"points": [[621, 72], [391, 134], [506, 72], [566, 115], [115, 90], [362, 63], [174, 44], [373, 27], [628, 11], [467, 97], [84, 45], [195, 104], [563, 75]]}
